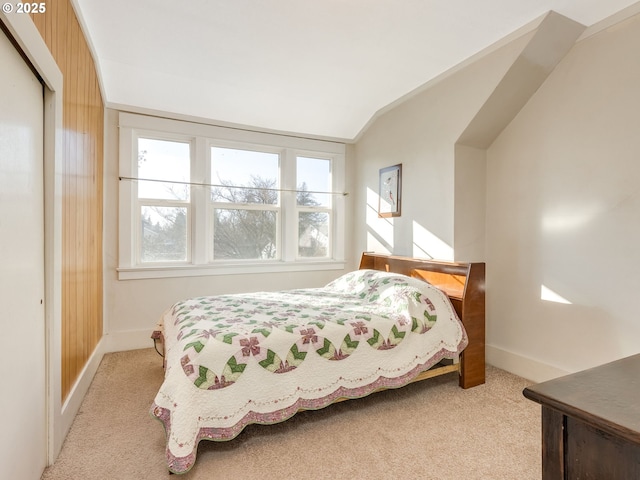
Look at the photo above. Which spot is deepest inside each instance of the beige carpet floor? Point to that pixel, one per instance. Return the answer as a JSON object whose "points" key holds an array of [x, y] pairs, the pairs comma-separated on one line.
{"points": [[427, 430]]}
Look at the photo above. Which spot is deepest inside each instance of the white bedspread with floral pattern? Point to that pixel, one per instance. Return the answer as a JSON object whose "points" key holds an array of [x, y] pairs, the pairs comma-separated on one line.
{"points": [[232, 360]]}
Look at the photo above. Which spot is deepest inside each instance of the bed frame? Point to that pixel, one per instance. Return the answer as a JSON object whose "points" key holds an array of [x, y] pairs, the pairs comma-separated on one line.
{"points": [[464, 284]]}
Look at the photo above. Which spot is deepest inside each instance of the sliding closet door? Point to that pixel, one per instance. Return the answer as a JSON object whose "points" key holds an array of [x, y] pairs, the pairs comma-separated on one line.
{"points": [[23, 437]]}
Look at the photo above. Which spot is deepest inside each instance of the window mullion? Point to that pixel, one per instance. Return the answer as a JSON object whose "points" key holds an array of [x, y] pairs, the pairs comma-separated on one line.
{"points": [[129, 220], [314, 209], [199, 200], [289, 214], [339, 205], [244, 206]]}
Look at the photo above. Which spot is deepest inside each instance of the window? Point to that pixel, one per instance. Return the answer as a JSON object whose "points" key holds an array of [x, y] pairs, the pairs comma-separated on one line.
{"points": [[245, 201], [163, 205], [197, 199], [314, 210]]}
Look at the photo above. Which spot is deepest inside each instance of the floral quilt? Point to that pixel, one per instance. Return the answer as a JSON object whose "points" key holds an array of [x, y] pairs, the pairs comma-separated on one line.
{"points": [[232, 360]]}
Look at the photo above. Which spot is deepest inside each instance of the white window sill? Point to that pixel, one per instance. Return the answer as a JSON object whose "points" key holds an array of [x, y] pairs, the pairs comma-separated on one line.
{"points": [[166, 271]]}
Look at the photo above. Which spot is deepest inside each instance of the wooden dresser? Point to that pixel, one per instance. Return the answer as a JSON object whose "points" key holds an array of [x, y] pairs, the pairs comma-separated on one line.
{"points": [[591, 423]]}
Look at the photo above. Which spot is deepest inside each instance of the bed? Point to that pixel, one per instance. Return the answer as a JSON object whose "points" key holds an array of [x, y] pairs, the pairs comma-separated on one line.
{"points": [[233, 360]]}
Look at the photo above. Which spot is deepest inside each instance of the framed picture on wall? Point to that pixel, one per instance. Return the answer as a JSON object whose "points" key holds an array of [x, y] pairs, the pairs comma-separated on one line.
{"points": [[390, 191]]}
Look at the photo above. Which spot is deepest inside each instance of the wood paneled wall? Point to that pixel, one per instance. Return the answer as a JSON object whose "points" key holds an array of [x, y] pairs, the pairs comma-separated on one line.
{"points": [[83, 117]]}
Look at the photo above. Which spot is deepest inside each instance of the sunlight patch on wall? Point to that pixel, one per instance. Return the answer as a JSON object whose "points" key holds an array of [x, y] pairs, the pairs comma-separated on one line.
{"points": [[569, 218], [375, 245], [550, 296], [379, 230], [426, 244]]}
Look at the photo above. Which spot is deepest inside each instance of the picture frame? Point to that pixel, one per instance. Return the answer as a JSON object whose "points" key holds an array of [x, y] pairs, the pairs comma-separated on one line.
{"points": [[390, 191]]}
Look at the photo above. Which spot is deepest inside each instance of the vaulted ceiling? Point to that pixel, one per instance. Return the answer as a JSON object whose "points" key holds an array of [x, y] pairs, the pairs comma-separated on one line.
{"points": [[312, 67]]}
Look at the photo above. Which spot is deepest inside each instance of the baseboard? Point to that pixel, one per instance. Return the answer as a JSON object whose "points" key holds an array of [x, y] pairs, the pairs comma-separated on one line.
{"points": [[76, 395], [118, 342], [128, 340], [522, 366]]}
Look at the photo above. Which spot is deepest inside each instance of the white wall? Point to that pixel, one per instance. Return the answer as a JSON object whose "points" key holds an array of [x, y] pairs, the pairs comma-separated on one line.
{"points": [[470, 203], [558, 188], [133, 307], [420, 133], [563, 211]]}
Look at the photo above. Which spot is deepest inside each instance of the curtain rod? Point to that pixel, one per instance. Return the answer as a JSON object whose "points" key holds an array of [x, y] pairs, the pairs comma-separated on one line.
{"points": [[229, 186]]}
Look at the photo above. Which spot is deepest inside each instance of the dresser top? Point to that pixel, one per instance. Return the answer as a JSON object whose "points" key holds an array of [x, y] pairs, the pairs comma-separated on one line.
{"points": [[607, 396]]}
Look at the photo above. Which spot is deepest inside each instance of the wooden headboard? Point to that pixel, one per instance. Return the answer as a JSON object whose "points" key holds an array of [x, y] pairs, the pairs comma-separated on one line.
{"points": [[464, 283]]}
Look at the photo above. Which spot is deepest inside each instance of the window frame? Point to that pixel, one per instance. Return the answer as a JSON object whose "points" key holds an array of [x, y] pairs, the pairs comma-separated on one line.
{"points": [[160, 202], [317, 209], [202, 137]]}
